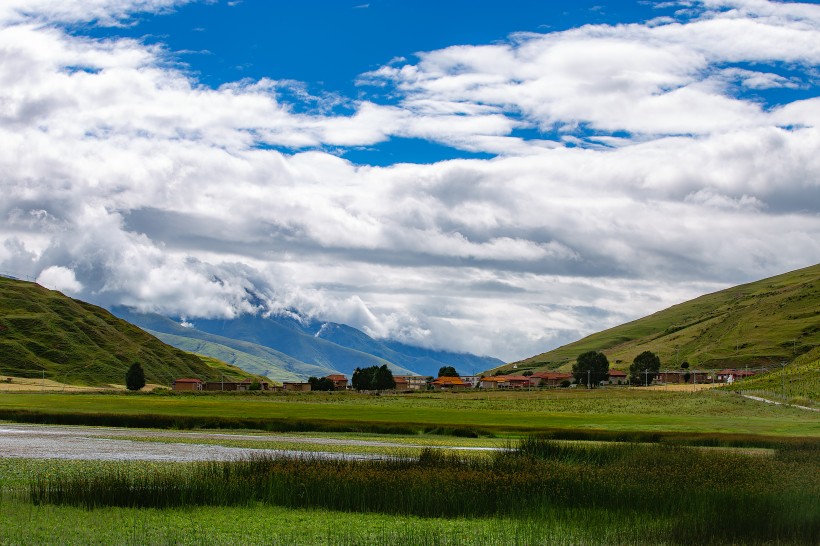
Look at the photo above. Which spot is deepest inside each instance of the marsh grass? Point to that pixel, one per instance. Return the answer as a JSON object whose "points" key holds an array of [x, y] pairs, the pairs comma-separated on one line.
{"points": [[669, 492]]}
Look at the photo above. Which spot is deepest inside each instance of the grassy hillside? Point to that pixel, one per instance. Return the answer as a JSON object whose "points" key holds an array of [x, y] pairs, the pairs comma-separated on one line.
{"points": [[219, 352], [43, 331], [760, 323], [797, 382]]}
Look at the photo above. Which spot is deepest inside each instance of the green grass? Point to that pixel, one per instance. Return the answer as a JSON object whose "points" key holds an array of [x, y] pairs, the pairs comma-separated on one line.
{"points": [[759, 323], [43, 331], [612, 411], [541, 492], [797, 382]]}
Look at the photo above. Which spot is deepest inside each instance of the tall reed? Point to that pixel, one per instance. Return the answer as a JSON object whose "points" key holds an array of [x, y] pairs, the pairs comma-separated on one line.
{"points": [[700, 493]]}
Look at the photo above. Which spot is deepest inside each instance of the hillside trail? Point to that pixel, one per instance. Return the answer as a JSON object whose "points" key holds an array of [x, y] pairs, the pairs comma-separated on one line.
{"points": [[766, 400]]}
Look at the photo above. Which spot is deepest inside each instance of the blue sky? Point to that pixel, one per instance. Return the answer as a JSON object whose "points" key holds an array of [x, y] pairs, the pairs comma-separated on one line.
{"points": [[493, 177], [327, 44]]}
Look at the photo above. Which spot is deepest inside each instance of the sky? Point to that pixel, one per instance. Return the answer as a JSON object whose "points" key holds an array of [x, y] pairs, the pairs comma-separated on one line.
{"points": [[495, 177]]}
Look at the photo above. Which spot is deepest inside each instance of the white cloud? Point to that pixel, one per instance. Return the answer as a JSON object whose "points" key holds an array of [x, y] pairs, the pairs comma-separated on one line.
{"points": [[59, 278], [126, 181]]}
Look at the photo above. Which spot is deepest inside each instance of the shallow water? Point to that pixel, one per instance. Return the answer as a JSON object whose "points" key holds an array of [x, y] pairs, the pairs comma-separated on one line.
{"points": [[63, 442]]}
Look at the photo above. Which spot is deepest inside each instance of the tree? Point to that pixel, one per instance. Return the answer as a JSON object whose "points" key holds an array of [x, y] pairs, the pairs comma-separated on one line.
{"points": [[447, 371], [321, 384], [135, 377], [383, 379], [591, 366], [644, 368], [373, 378]]}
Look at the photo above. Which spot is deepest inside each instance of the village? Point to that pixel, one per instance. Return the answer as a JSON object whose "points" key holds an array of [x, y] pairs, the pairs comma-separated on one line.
{"points": [[525, 381]]}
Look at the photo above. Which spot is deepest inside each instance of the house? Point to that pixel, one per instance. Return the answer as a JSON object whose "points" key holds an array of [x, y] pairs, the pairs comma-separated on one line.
{"points": [[732, 375], [292, 386], [617, 377], [449, 384], [187, 384], [549, 379], [492, 382], [505, 382], [515, 381], [682, 376], [416, 382], [245, 384], [411, 382], [471, 380], [339, 381]]}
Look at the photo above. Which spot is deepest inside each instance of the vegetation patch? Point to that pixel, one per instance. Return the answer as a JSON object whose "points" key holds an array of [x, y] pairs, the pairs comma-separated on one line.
{"points": [[650, 493]]}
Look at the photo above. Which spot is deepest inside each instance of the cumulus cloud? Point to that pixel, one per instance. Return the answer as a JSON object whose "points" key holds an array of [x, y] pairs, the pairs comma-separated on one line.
{"points": [[630, 172], [59, 278]]}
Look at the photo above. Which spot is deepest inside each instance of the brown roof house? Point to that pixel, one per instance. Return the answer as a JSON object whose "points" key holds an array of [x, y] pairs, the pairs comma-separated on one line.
{"points": [[549, 379], [187, 384], [617, 377], [339, 381], [445, 383], [730, 376]]}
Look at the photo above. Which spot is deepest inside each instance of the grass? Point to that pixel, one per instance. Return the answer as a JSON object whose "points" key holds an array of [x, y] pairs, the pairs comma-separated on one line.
{"points": [[759, 323], [796, 383], [78, 343], [540, 492], [600, 413]]}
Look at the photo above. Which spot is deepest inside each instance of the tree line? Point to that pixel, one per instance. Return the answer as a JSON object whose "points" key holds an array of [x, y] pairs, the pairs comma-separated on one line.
{"points": [[592, 367]]}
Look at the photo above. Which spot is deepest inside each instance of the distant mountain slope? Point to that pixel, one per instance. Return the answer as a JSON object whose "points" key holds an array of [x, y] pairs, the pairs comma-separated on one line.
{"points": [[247, 362], [251, 357], [287, 346], [44, 331], [758, 323], [296, 340], [420, 360]]}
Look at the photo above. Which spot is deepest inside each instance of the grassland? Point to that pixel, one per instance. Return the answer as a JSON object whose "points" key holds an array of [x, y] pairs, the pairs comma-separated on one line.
{"points": [[755, 324], [541, 492], [612, 411]]}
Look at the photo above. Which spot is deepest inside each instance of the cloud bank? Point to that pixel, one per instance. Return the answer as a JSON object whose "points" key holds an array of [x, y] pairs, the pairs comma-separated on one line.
{"points": [[633, 166]]}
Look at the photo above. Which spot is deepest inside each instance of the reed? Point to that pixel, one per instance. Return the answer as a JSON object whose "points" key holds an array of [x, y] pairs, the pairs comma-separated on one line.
{"points": [[700, 494]]}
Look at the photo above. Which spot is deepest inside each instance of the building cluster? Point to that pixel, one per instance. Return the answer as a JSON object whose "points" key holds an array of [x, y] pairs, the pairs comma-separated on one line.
{"points": [[405, 383]]}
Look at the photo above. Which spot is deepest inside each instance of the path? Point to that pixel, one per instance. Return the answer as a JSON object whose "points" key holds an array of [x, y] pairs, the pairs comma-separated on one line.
{"points": [[759, 399]]}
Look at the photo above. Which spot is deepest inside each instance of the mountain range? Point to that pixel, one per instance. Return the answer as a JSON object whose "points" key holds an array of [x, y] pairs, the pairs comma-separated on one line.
{"points": [[289, 347]]}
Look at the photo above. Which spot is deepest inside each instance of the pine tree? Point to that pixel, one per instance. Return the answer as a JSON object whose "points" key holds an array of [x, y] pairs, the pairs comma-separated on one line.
{"points": [[135, 377]]}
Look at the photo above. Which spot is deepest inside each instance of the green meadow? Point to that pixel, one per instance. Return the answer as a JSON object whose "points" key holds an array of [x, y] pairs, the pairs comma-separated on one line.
{"points": [[496, 413]]}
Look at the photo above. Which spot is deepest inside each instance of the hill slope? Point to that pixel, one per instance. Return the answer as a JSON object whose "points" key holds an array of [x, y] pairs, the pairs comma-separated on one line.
{"points": [[265, 346], [75, 342], [252, 357], [759, 323]]}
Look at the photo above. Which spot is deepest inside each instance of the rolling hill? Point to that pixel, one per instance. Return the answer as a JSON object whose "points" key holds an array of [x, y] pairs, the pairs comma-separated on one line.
{"points": [[43, 332], [756, 324]]}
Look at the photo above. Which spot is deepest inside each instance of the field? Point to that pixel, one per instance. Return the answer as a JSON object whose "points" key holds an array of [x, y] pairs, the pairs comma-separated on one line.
{"points": [[498, 413], [688, 468]]}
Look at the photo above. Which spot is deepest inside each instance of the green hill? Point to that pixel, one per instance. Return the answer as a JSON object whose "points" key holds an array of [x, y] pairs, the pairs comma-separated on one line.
{"points": [[757, 324], [265, 365], [43, 331]]}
